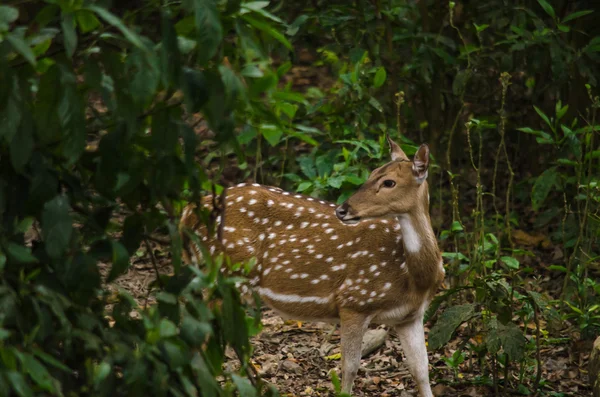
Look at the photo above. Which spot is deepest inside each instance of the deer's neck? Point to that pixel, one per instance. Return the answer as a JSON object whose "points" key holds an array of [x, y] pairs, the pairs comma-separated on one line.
{"points": [[423, 258]]}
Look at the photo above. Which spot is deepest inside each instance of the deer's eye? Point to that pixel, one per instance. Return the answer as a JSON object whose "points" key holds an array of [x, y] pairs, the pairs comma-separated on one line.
{"points": [[389, 183]]}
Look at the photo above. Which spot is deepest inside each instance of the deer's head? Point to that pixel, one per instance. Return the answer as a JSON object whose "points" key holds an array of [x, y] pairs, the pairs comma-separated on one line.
{"points": [[394, 189]]}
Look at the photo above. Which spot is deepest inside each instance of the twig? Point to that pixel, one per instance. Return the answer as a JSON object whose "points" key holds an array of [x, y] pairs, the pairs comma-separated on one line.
{"points": [[538, 359], [155, 266]]}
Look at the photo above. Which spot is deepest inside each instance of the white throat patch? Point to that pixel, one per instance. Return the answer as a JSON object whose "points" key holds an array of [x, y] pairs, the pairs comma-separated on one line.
{"points": [[412, 241]]}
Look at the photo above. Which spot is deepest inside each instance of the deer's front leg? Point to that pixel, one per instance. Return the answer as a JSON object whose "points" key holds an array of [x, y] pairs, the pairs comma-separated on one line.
{"points": [[412, 338], [352, 328]]}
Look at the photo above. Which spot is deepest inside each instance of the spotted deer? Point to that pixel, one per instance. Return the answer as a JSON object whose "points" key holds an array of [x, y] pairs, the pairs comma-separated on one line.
{"points": [[372, 259]]}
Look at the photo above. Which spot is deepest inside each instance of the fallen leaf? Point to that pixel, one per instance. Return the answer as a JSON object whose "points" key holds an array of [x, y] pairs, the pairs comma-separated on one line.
{"points": [[335, 356]]}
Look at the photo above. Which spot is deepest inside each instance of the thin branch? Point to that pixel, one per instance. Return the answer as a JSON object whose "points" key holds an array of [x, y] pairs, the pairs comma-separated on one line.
{"points": [[154, 265], [538, 358]]}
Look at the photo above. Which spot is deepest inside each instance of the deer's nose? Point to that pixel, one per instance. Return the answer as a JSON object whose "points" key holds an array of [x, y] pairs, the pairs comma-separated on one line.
{"points": [[342, 211]]}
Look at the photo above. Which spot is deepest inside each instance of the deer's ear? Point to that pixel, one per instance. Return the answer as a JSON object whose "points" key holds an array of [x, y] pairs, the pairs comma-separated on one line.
{"points": [[421, 163], [395, 151]]}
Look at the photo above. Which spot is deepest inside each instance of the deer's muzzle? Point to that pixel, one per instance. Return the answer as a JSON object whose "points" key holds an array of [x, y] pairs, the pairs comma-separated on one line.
{"points": [[345, 214]]}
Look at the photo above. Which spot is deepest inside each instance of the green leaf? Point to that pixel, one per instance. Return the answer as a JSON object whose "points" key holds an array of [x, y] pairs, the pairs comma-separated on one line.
{"points": [[176, 246], [7, 16], [355, 180], [19, 384], [21, 146], [542, 186], [380, 77], [247, 134], [268, 29], [194, 331], [206, 380], [307, 165], [561, 112], [101, 372], [11, 115], [303, 186], [508, 337], [167, 328], [115, 21], [37, 372], [336, 181], [48, 359], [538, 299], [4, 334], [481, 28], [57, 226], [20, 253], [375, 103], [20, 46], [244, 386], [543, 116], [170, 55], [547, 7], [456, 227], [576, 14], [233, 85], [147, 76], [70, 36], [208, 29], [447, 323], [324, 164], [558, 268], [511, 262], [86, 20], [120, 261], [272, 133], [2, 260], [259, 8]]}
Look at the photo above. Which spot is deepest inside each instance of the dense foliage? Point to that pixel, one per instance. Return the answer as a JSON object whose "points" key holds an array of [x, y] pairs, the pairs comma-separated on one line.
{"points": [[114, 116]]}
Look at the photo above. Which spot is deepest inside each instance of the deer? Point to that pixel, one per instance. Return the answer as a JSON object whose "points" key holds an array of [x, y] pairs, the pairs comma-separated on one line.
{"points": [[372, 259]]}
